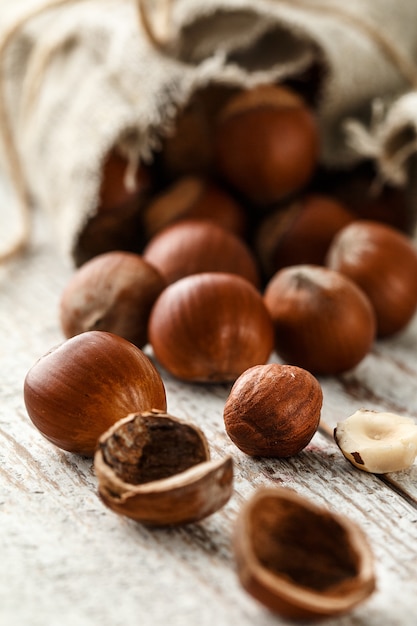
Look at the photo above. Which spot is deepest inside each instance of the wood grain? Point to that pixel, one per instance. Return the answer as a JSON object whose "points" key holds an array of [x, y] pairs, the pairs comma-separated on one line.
{"points": [[66, 559]]}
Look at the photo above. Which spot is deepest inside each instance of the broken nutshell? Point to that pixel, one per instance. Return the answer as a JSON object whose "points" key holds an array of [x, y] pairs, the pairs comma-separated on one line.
{"points": [[300, 560], [156, 469]]}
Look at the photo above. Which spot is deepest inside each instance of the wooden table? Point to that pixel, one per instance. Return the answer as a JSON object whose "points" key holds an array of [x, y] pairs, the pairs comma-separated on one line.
{"points": [[65, 559]]}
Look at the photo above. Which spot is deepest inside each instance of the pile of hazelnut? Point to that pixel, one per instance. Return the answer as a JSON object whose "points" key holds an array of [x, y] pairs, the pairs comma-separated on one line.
{"points": [[241, 247]]}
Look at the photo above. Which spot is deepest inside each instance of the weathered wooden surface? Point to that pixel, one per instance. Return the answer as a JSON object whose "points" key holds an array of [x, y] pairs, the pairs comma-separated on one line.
{"points": [[66, 559]]}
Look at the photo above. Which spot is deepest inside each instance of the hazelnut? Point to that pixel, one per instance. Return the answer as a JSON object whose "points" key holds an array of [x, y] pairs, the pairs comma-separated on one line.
{"points": [[323, 321], [81, 387], [114, 189], [191, 197], [115, 292], [194, 246], [273, 410], [383, 262], [210, 327], [300, 560], [156, 469], [266, 143], [377, 441], [299, 232]]}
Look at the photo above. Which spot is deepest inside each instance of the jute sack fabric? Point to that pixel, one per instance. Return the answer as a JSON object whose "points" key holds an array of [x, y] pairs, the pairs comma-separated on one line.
{"points": [[83, 76]]}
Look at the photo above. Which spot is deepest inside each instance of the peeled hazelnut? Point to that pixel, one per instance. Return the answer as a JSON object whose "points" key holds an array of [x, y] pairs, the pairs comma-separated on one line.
{"points": [[378, 442], [300, 560], [273, 410], [300, 232], [156, 469], [383, 262], [266, 143], [115, 292], [194, 246], [210, 327], [191, 197], [81, 387], [323, 321]]}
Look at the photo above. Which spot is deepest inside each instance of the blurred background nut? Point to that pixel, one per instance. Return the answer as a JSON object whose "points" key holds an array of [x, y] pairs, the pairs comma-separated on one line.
{"points": [[378, 441], [383, 263], [273, 410], [266, 143], [323, 321], [210, 327], [299, 560], [192, 197], [299, 232], [156, 469], [115, 292], [195, 246]]}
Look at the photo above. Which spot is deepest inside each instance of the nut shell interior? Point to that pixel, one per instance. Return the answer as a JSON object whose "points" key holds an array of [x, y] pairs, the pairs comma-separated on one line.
{"points": [[156, 469], [300, 560]]}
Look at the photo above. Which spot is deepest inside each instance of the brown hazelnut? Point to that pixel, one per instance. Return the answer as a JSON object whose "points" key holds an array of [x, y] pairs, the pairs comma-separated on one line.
{"points": [[300, 560], [194, 246], [191, 197], [383, 262], [156, 469], [114, 190], [266, 143], [210, 327], [299, 232], [115, 292], [273, 410], [81, 387], [323, 321]]}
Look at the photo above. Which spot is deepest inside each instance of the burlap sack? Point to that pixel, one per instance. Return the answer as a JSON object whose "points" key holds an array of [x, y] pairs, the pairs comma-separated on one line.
{"points": [[85, 76]]}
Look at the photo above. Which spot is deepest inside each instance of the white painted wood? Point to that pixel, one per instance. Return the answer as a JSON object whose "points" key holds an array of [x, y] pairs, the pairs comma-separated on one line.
{"points": [[65, 559]]}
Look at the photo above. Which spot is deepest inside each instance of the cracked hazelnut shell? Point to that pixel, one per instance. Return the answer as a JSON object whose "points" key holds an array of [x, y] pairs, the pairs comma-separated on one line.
{"points": [[156, 469], [301, 561], [81, 387], [273, 410]]}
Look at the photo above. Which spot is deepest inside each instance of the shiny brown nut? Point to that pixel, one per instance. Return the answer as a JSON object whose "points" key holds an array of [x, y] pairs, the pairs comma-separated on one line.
{"points": [[115, 292], [299, 232], [323, 321], [210, 327], [81, 387], [156, 469], [273, 410], [195, 246], [299, 560], [192, 197], [266, 143], [383, 263]]}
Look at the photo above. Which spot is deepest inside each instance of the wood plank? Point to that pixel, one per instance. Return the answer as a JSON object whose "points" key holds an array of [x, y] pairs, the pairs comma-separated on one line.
{"points": [[66, 559]]}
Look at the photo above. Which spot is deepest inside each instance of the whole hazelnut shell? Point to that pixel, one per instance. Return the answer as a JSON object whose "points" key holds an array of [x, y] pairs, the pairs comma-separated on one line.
{"points": [[210, 327], [194, 246], [299, 232], [156, 469], [301, 561], [383, 263], [192, 197], [266, 143], [273, 410], [323, 321], [115, 292], [81, 387]]}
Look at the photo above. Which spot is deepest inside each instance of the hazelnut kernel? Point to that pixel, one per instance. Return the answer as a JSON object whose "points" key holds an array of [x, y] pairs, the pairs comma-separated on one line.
{"points": [[273, 410]]}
